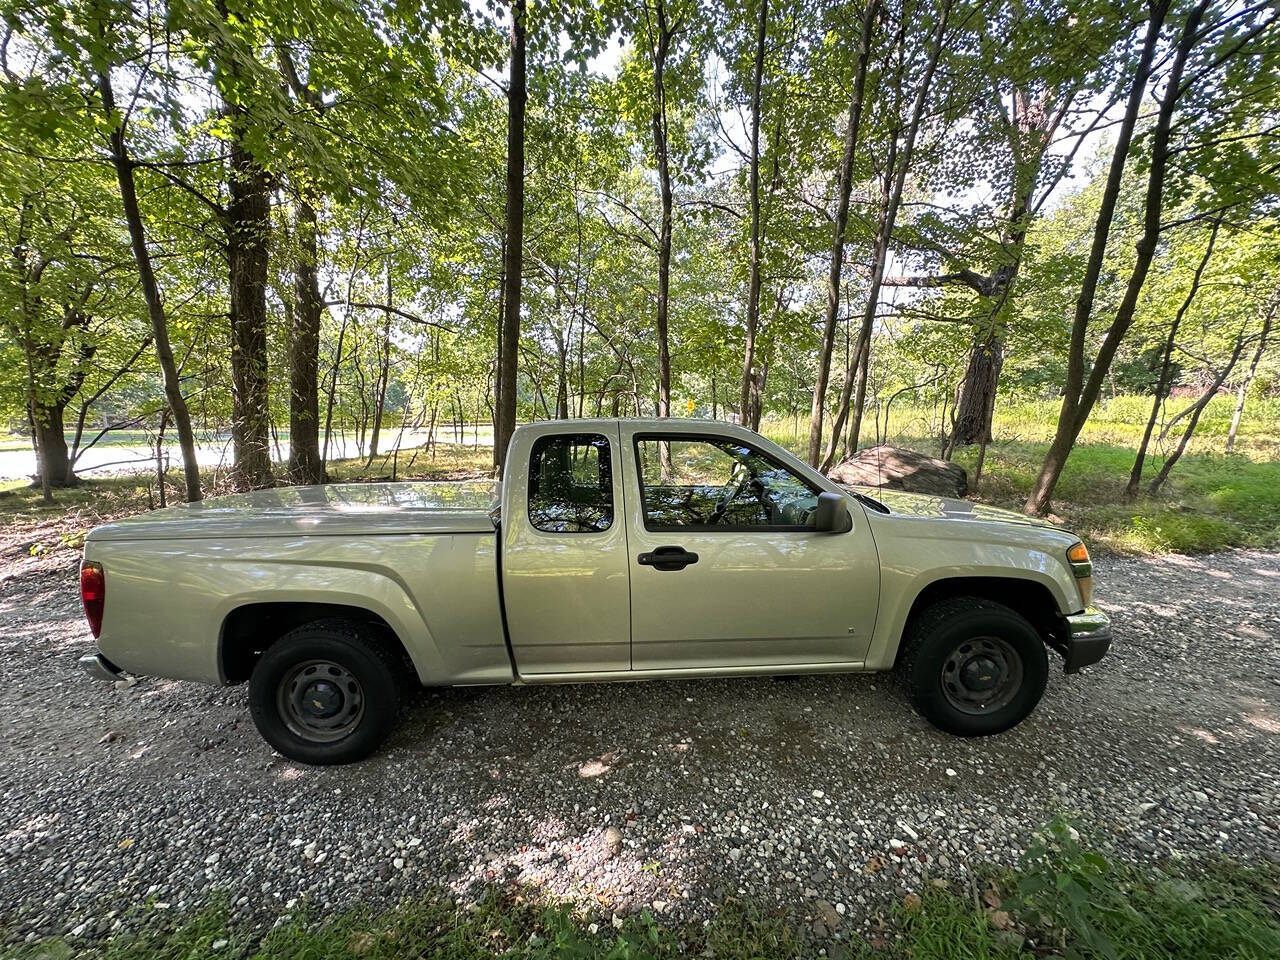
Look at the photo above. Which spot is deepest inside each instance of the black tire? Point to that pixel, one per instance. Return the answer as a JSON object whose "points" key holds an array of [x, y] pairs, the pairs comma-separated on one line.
{"points": [[347, 671], [955, 647]]}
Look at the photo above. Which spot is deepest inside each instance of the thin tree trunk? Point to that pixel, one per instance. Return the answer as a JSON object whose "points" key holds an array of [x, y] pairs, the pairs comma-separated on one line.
{"points": [[384, 374], [749, 391], [150, 289], [836, 262], [1079, 396], [164, 421], [1243, 392], [513, 263], [661, 46], [1196, 410], [1165, 377], [306, 465], [884, 235]]}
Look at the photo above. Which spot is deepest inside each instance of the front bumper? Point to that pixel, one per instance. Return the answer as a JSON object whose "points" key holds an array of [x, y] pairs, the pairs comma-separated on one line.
{"points": [[99, 667], [1086, 640]]}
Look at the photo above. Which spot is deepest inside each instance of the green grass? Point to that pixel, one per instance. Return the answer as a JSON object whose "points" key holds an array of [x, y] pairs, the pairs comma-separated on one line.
{"points": [[1064, 900], [1211, 501]]}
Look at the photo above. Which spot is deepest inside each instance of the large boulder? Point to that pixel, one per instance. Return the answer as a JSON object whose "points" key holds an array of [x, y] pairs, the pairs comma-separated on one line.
{"points": [[897, 468]]}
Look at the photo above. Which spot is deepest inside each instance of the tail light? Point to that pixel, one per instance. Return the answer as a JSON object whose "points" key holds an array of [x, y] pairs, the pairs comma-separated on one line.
{"points": [[93, 594]]}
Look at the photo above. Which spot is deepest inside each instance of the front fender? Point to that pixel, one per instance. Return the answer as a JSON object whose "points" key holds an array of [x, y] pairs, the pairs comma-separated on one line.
{"points": [[912, 559]]}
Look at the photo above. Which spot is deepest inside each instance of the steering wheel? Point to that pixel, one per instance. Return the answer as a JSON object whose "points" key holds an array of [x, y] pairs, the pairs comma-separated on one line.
{"points": [[741, 479]]}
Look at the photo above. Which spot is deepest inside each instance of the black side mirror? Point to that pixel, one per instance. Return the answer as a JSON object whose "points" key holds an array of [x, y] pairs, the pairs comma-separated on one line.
{"points": [[832, 514]]}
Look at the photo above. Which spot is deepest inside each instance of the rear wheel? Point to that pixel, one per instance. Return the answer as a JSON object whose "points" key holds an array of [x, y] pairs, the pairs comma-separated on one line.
{"points": [[973, 667], [326, 692]]}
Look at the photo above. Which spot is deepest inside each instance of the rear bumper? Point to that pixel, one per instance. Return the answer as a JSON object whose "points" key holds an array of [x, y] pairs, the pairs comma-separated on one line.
{"points": [[99, 667], [1087, 639]]}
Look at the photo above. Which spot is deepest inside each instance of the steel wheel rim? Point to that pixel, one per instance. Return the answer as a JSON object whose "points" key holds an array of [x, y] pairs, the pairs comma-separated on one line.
{"points": [[981, 675], [320, 701]]}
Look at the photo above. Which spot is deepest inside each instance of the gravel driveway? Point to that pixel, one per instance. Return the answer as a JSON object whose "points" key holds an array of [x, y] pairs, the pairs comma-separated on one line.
{"points": [[670, 795]]}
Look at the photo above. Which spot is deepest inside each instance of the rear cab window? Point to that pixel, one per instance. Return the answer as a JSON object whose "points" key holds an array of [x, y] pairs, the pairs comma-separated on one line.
{"points": [[571, 483]]}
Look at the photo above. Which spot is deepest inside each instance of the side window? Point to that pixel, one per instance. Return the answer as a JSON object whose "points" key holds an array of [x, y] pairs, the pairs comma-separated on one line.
{"points": [[571, 484], [719, 483]]}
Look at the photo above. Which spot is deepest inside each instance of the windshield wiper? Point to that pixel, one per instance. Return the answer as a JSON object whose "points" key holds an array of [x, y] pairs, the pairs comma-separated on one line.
{"points": [[871, 502]]}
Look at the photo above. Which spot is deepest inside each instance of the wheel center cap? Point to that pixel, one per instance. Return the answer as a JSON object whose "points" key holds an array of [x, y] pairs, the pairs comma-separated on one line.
{"points": [[980, 673], [322, 699]]}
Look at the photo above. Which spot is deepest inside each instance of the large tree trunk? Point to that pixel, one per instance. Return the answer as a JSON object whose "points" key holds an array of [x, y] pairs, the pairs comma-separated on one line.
{"points": [[836, 262], [305, 463], [1081, 394], [750, 395], [52, 460], [977, 396], [661, 47], [248, 221], [513, 264], [1243, 392], [150, 289], [1164, 380]]}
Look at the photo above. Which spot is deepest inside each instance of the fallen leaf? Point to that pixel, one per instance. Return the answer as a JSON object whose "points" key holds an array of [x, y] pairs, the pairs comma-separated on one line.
{"points": [[999, 919], [912, 902]]}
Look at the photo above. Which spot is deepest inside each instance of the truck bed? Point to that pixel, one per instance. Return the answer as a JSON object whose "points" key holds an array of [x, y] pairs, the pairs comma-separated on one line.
{"points": [[346, 509]]}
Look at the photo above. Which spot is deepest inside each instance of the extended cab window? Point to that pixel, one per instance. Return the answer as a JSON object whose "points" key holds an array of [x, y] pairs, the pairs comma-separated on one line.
{"points": [[571, 484], [719, 483]]}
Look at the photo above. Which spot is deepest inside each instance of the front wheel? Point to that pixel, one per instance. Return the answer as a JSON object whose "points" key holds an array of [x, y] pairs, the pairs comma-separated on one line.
{"points": [[325, 693], [973, 667]]}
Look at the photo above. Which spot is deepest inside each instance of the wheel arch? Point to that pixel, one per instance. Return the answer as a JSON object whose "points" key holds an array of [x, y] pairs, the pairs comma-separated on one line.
{"points": [[250, 628], [1028, 597]]}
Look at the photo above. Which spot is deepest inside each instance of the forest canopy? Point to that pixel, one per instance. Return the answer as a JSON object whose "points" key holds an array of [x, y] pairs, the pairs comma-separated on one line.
{"points": [[281, 219]]}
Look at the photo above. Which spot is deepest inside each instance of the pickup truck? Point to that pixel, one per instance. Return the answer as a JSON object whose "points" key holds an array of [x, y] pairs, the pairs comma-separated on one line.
{"points": [[612, 550]]}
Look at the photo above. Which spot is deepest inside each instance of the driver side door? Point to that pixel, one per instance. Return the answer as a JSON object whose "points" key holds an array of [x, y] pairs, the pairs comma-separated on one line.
{"points": [[766, 589]]}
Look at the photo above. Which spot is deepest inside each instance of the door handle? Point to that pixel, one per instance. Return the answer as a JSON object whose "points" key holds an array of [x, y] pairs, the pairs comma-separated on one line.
{"points": [[667, 558]]}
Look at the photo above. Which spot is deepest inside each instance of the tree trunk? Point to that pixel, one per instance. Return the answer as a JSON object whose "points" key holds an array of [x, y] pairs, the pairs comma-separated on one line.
{"points": [[52, 459], [150, 289], [1196, 410], [1243, 392], [884, 236], [661, 47], [1165, 377], [977, 396], [749, 392], [384, 375], [1079, 395], [248, 215], [513, 263], [305, 462], [836, 262]]}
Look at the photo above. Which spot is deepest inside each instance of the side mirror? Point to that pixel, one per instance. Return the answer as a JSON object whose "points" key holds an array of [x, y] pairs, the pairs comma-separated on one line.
{"points": [[832, 514]]}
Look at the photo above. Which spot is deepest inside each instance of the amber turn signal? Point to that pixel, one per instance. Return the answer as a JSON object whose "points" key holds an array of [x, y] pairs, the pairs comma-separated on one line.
{"points": [[1078, 553]]}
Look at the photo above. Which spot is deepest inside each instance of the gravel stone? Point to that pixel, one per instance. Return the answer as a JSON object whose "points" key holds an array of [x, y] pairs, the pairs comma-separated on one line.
{"points": [[160, 791]]}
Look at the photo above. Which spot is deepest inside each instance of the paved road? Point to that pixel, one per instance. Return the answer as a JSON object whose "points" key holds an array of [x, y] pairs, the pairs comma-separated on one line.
{"points": [[792, 790]]}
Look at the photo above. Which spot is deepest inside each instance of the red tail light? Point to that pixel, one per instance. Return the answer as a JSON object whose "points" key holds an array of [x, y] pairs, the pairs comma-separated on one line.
{"points": [[93, 594]]}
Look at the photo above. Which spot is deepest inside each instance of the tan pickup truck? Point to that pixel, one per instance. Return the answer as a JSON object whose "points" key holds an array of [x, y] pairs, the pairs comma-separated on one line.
{"points": [[613, 550]]}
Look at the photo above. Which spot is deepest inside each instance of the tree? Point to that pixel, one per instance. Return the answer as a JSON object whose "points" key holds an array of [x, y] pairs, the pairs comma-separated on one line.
{"points": [[1216, 46], [513, 238]]}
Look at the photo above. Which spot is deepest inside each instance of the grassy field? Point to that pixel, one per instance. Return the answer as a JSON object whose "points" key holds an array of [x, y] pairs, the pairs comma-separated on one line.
{"points": [[1063, 901], [1212, 500]]}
